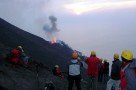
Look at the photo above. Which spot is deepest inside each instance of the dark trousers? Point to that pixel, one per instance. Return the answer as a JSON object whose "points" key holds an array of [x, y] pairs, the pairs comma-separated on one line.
{"points": [[100, 77], [92, 83], [72, 79]]}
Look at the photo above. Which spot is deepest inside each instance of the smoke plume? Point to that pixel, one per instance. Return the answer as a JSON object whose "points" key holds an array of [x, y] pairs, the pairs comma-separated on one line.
{"points": [[51, 29]]}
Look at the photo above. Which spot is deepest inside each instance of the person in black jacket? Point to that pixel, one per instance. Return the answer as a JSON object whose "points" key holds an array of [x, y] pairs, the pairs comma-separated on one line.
{"points": [[105, 71], [115, 73], [101, 67]]}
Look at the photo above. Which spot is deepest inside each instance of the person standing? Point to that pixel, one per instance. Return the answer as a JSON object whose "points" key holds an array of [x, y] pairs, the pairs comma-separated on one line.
{"points": [[128, 71], [92, 71], [74, 74], [100, 76], [115, 74], [106, 71]]}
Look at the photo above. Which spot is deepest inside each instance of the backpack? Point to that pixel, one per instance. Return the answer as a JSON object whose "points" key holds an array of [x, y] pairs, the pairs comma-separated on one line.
{"points": [[49, 86]]}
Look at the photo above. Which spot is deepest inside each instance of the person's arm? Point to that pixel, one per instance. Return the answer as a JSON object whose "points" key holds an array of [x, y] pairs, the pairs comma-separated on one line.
{"points": [[86, 60]]}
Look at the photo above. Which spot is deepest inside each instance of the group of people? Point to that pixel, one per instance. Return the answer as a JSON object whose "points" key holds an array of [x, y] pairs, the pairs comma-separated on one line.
{"points": [[74, 71], [122, 77], [98, 70], [123, 73], [17, 56], [103, 73]]}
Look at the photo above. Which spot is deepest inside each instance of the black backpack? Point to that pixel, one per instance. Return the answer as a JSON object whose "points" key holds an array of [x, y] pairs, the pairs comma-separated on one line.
{"points": [[49, 86]]}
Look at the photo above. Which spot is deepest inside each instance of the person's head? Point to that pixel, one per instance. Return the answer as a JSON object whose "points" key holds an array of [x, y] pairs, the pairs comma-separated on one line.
{"points": [[116, 56], [56, 66], [93, 53], [127, 56], [19, 47], [74, 55], [105, 60]]}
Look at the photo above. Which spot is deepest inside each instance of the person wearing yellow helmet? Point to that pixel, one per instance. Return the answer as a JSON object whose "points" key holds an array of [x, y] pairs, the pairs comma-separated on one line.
{"points": [[116, 56], [74, 74], [128, 71], [93, 53], [92, 71], [127, 55], [115, 73], [57, 71]]}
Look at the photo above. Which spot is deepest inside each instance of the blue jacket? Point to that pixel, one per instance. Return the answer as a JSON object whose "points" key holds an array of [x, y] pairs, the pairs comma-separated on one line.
{"points": [[130, 73]]}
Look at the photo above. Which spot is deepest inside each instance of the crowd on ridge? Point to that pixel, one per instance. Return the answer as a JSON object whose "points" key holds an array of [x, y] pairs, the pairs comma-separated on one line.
{"points": [[122, 76]]}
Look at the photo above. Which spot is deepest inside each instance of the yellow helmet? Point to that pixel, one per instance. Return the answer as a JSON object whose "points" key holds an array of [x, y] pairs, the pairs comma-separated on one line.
{"points": [[19, 46], [127, 54], [116, 56], [56, 66], [75, 55], [93, 53]]}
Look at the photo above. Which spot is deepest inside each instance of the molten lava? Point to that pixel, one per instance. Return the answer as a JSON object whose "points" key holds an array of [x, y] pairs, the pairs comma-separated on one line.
{"points": [[53, 40]]}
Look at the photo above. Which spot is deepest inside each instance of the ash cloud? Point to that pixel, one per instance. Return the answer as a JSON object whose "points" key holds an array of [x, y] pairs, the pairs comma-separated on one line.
{"points": [[51, 29]]}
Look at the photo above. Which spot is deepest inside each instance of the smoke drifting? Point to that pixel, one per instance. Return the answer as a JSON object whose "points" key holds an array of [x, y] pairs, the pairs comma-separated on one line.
{"points": [[51, 29]]}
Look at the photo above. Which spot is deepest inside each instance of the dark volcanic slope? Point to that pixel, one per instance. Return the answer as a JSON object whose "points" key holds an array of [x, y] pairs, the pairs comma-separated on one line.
{"points": [[39, 49], [34, 77]]}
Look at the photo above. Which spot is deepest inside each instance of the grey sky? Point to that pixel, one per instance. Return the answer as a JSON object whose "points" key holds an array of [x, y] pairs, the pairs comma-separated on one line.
{"points": [[104, 29]]}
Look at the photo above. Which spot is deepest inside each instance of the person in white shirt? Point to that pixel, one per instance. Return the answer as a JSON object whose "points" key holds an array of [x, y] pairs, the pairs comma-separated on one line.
{"points": [[74, 74]]}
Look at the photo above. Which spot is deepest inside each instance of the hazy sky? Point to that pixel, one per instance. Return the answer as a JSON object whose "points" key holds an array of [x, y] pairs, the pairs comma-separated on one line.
{"points": [[106, 26]]}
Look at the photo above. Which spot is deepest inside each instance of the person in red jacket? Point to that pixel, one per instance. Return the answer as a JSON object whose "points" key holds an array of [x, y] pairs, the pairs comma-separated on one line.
{"points": [[128, 71], [57, 71], [16, 55], [92, 71]]}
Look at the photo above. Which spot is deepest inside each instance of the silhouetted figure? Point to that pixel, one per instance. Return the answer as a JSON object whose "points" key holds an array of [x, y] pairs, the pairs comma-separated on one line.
{"points": [[57, 71], [128, 71], [74, 74], [92, 71], [105, 73], [16, 55], [115, 74], [101, 67]]}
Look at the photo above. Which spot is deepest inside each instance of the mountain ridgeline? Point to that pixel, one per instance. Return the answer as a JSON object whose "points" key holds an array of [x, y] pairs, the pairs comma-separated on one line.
{"points": [[44, 55], [36, 47]]}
